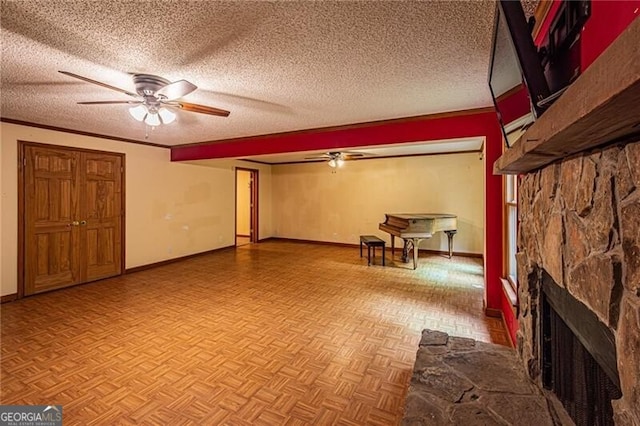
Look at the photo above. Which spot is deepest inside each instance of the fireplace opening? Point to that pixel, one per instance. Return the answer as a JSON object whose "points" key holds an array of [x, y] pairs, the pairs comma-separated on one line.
{"points": [[578, 357]]}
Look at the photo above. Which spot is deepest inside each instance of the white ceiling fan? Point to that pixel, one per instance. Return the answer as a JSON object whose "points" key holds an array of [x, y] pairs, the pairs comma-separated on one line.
{"points": [[337, 158], [154, 98]]}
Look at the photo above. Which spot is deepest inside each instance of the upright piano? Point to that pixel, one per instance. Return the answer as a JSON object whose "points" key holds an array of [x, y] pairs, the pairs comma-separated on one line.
{"points": [[414, 227]]}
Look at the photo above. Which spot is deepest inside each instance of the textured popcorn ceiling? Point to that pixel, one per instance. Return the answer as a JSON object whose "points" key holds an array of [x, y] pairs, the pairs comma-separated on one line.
{"points": [[277, 66], [529, 7]]}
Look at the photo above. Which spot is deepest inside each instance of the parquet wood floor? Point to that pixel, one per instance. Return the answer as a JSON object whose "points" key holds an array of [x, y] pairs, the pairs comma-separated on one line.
{"points": [[266, 334], [242, 241]]}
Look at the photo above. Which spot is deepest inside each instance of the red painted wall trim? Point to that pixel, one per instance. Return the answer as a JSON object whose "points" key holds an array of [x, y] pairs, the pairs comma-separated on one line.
{"points": [[351, 126], [397, 131], [493, 228]]}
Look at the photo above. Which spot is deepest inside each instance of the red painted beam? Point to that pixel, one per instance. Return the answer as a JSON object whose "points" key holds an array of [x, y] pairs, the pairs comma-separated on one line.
{"points": [[432, 127]]}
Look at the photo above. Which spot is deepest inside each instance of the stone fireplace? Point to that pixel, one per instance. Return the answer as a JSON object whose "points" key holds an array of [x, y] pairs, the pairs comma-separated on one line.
{"points": [[579, 240], [579, 235]]}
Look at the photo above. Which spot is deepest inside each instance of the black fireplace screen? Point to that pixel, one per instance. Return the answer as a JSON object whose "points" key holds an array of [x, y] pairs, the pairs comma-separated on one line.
{"points": [[571, 372]]}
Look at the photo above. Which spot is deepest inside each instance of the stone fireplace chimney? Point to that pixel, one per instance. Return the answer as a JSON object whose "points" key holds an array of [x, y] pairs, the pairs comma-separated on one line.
{"points": [[579, 224]]}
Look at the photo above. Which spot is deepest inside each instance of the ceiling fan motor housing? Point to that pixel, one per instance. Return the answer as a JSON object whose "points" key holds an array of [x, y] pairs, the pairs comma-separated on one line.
{"points": [[148, 84]]}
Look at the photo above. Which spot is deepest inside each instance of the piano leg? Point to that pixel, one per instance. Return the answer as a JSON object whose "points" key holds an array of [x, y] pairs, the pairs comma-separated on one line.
{"points": [[416, 243], [393, 244], [409, 244], [450, 234], [405, 250]]}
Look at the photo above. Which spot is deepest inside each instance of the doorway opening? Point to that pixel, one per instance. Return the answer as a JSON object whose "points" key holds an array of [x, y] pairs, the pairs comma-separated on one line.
{"points": [[246, 206]]}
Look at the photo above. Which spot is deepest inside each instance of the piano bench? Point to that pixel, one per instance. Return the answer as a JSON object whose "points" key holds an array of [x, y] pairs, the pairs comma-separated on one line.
{"points": [[371, 241]]}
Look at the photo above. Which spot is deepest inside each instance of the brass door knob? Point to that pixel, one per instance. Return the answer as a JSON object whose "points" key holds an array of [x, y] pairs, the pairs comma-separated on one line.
{"points": [[75, 223]]}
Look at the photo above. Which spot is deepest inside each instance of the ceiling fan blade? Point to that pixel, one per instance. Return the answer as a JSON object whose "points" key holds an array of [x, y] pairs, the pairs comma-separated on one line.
{"points": [[109, 102], [176, 90], [199, 108], [88, 80]]}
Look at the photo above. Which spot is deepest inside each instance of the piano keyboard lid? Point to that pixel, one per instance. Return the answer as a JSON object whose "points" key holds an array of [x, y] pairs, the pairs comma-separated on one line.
{"points": [[422, 215]]}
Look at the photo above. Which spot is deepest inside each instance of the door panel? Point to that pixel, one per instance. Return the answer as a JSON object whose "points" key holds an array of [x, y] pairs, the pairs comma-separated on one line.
{"points": [[51, 255], [73, 217], [103, 214]]}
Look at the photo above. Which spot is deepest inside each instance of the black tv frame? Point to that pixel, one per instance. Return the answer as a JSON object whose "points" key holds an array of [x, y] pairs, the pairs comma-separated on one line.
{"points": [[512, 16]]}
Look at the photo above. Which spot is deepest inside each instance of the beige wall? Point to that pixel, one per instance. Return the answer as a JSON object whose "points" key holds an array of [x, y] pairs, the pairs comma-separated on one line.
{"points": [[310, 202], [265, 226], [172, 209], [243, 202]]}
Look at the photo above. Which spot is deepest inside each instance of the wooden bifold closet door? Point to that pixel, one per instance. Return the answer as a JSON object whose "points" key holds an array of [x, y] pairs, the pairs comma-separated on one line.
{"points": [[73, 216]]}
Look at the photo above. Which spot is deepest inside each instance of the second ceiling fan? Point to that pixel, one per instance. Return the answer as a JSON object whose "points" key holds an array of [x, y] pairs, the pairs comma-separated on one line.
{"points": [[337, 158], [154, 98]]}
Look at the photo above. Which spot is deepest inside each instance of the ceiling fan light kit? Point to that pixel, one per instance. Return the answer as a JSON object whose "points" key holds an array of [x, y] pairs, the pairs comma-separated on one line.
{"points": [[152, 117], [166, 116], [153, 98], [336, 161]]}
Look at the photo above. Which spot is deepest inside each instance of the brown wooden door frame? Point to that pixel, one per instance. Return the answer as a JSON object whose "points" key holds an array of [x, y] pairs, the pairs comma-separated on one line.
{"points": [[22, 200], [254, 208]]}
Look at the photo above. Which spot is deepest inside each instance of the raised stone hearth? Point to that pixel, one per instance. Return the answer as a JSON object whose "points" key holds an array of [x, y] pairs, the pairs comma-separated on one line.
{"points": [[459, 381]]}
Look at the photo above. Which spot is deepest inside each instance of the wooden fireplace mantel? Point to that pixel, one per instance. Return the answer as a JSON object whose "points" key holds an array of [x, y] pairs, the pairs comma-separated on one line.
{"points": [[601, 106]]}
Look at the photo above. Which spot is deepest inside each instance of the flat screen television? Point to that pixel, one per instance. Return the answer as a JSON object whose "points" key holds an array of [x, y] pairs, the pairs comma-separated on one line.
{"points": [[516, 77], [524, 80]]}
